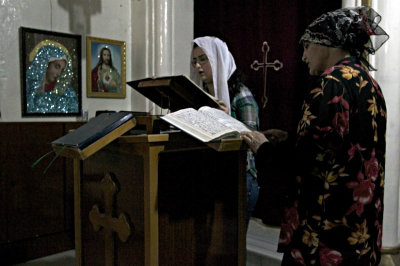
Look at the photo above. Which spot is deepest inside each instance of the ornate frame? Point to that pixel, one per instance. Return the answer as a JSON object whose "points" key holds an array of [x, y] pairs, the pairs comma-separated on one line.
{"points": [[38, 49], [117, 49]]}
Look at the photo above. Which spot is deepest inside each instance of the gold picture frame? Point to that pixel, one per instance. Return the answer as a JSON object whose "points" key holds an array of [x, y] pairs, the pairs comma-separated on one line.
{"points": [[105, 68]]}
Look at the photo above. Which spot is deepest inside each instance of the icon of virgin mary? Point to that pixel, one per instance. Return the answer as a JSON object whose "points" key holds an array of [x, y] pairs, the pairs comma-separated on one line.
{"points": [[48, 80]]}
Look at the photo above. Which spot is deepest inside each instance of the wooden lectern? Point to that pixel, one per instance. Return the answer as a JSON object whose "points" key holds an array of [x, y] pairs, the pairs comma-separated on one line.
{"points": [[160, 199]]}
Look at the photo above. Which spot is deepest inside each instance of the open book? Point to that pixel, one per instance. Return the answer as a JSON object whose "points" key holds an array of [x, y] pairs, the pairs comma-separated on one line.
{"points": [[206, 124]]}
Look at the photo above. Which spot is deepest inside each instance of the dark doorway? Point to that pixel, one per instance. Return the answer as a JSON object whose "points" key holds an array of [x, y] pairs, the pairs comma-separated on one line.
{"points": [[244, 26]]}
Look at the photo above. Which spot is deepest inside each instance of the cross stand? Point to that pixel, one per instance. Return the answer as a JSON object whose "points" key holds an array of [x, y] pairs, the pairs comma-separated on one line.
{"points": [[264, 65], [110, 225]]}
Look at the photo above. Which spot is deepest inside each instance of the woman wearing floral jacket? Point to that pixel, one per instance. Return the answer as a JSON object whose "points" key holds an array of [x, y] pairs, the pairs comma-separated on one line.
{"points": [[335, 206]]}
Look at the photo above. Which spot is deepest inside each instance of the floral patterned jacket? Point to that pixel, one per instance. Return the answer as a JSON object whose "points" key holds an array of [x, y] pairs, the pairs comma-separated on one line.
{"points": [[336, 211]]}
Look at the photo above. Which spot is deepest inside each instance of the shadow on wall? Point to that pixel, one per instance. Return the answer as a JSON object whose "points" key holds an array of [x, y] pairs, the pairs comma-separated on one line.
{"points": [[80, 13]]}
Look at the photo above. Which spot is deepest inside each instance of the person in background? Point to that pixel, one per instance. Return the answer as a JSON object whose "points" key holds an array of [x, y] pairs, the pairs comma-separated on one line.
{"points": [[213, 68], [335, 211], [48, 80]]}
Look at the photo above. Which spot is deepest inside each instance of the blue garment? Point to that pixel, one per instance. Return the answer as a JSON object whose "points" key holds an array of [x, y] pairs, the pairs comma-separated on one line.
{"points": [[62, 98], [252, 195], [245, 109]]}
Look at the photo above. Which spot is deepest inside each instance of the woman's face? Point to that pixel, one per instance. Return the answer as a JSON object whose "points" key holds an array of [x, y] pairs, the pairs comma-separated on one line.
{"points": [[316, 57], [202, 65], [54, 70]]}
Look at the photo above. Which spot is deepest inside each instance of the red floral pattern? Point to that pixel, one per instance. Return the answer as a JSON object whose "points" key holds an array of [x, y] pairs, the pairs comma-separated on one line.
{"points": [[329, 257], [338, 210]]}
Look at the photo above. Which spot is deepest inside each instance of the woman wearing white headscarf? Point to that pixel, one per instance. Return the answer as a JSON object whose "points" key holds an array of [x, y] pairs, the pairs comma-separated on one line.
{"points": [[214, 69]]}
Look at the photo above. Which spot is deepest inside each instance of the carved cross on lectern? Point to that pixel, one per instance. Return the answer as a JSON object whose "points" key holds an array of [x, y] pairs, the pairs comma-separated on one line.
{"points": [[265, 64], [105, 220]]}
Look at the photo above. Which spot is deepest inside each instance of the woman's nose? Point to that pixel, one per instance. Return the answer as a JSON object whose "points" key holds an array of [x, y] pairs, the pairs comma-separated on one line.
{"points": [[303, 57]]}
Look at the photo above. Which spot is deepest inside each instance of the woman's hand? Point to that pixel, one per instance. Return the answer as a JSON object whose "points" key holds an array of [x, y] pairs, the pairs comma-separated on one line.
{"points": [[223, 106], [254, 139], [276, 136]]}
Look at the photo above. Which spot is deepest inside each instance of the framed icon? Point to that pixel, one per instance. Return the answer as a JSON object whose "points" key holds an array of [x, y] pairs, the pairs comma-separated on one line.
{"points": [[105, 60], [51, 73]]}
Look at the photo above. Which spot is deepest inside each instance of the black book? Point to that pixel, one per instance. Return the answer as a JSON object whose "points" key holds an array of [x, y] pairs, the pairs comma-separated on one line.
{"points": [[174, 92], [93, 130]]}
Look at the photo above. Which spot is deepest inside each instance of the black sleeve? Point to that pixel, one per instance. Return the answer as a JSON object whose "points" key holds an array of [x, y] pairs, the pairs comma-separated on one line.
{"points": [[273, 157], [274, 164]]}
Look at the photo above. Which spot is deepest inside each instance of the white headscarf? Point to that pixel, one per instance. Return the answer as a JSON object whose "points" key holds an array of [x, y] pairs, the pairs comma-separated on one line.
{"points": [[222, 65]]}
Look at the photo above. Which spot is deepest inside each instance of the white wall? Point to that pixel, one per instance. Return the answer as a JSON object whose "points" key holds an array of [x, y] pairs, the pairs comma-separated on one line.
{"points": [[132, 21]]}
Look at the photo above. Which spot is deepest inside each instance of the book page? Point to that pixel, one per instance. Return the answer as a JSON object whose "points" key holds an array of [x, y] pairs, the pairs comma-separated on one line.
{"points": [[224, 118], [197, 124]]}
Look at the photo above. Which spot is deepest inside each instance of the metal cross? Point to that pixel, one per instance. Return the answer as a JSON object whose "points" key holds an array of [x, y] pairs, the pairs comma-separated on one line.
{"points": [[265, 64], [105, 220]]}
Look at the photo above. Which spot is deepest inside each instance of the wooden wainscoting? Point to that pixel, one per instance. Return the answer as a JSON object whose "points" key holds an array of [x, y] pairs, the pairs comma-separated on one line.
{"points": [[36, 208]]}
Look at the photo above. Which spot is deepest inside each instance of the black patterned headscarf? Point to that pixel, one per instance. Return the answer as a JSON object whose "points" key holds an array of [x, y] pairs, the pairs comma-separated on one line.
{"points": [[353, 29]]}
